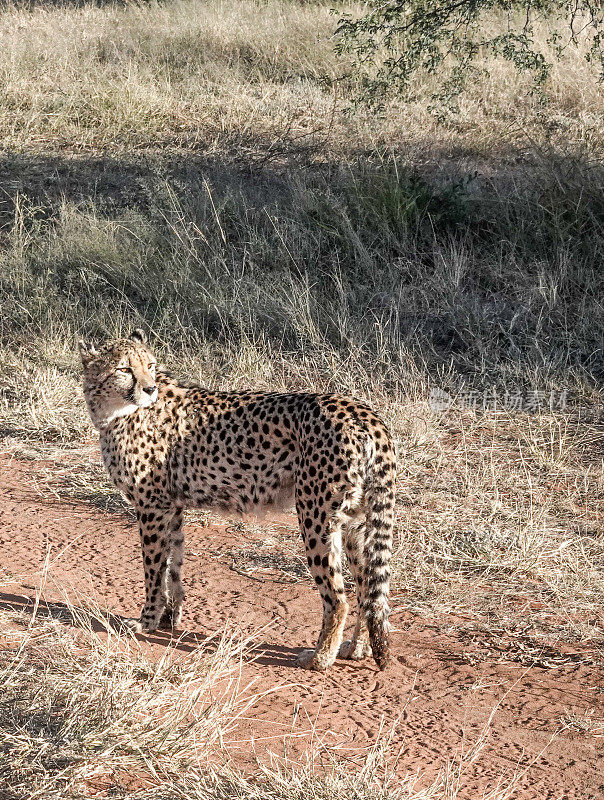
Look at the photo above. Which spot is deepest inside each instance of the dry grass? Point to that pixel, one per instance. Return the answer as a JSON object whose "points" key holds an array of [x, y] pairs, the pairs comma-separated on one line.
{"points": [[236, 77], [584, 723], [186, 74], [501, 518], [189, 167], [87, 711]]}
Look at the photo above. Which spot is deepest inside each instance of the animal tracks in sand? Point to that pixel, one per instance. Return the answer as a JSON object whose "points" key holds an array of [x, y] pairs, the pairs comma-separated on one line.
{"points": [[434, 701]]}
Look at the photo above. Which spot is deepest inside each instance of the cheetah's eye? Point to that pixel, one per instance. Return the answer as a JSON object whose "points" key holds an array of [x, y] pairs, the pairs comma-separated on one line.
{"points": [[151, 367], [125, 370]]}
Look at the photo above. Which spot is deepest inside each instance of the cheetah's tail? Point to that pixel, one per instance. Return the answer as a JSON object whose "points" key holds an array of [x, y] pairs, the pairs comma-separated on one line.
{"points": [[379, 494]]}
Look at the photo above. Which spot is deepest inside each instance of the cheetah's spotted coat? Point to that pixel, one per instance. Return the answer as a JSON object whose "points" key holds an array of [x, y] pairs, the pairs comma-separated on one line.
{"points": [[169, 446]]}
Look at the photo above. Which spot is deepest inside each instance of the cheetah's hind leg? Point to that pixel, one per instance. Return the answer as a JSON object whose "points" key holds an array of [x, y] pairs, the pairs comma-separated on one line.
{"points": [[323, 550], [353, 534]]}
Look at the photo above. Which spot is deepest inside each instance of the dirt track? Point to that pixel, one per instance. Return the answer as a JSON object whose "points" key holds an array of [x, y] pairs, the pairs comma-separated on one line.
{"points": [[440, 694]]}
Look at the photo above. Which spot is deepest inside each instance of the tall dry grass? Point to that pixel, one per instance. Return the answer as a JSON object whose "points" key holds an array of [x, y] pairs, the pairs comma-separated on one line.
{"points": [[235, 77], [191, 166], [84, 709]]}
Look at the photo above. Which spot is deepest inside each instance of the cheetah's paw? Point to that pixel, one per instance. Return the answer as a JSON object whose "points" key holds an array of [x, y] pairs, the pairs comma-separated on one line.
{"points": [[170, 619], [354, 651], [139, 625], [132, 624], [310, 659]]}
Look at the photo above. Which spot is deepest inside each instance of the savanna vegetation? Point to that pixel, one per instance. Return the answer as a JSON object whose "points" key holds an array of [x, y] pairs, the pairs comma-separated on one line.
{"points": [[203, 170]]}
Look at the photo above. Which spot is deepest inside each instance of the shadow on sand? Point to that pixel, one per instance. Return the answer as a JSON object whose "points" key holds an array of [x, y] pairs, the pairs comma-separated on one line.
{"points": [[262, 653]]}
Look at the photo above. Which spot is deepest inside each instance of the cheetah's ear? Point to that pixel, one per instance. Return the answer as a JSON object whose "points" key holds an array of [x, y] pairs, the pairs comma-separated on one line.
{"points": [[87, 352], [139, 335]]}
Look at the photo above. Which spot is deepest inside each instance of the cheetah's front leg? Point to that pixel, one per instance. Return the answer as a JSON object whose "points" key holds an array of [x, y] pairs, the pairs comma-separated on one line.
{"points": [[155, 528], [173, 591]]}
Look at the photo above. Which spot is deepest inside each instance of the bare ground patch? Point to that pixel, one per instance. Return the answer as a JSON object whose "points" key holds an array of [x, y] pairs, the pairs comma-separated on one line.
{"points": [[471, 702]]}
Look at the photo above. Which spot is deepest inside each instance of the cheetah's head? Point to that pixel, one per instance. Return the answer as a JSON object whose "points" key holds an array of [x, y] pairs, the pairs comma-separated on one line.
{"points": [[119, 377]]}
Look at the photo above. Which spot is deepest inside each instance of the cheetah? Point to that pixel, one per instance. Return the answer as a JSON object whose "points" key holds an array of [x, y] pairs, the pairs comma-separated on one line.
{"points": [[169, 446]]}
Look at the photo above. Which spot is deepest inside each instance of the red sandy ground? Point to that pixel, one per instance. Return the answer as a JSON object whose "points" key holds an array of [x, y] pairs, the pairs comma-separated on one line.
{"points": [[438, 697]]}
